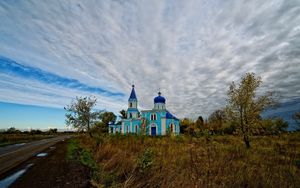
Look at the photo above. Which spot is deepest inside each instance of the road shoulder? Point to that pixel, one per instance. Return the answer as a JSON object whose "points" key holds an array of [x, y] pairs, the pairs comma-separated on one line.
{"points": [[54, 170]]}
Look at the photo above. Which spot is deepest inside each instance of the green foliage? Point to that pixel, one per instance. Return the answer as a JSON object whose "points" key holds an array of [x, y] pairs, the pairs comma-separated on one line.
{"points": [[199, 124], [73, 147], [80, 113], [216, 121], [12, 130], [296, 117], [107, 117], [273, 126], [244, 107], [123, 114], [77, 153], [35, 131], [52, 131], [145, 162], [187, 126]]}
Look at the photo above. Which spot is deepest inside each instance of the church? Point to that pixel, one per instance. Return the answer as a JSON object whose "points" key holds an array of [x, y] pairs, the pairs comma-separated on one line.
{"points": [[157, 121]]}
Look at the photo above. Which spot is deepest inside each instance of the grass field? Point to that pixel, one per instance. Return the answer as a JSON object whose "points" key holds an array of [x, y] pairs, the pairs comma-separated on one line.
{"points": [[216, 161], [8, 139]]}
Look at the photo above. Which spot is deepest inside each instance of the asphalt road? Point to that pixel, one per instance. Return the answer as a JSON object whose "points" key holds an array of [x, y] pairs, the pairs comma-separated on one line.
{"points": [[11, 156]]}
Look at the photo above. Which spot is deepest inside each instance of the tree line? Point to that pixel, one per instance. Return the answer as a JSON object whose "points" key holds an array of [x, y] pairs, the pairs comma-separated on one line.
{"points": [[241, 115], [13, 130]]}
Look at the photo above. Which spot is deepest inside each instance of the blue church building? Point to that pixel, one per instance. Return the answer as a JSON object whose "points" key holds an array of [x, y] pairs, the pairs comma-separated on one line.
{"points": [[157, 121]]}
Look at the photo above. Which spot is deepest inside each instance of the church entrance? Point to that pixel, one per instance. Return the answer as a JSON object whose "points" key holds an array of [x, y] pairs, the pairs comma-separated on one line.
{"points": [[153, 130]]}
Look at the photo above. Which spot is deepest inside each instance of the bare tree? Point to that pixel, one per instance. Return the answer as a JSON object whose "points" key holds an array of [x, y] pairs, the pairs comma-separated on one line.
{"points": [[244, 107], [80, 113]]}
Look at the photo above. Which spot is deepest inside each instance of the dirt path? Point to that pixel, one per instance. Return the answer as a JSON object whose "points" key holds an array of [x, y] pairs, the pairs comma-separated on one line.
{"points": [[54, 170]]}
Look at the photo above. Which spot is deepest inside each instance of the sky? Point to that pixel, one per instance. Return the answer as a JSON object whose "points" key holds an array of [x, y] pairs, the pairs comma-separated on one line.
{"points": [[53, 51]]}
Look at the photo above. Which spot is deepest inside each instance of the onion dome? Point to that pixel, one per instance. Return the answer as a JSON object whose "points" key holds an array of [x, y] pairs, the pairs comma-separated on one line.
{"points": [[159, 99]]}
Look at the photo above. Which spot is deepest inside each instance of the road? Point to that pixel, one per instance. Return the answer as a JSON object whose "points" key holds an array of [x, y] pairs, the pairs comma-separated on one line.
{"points": [[11, 156]]}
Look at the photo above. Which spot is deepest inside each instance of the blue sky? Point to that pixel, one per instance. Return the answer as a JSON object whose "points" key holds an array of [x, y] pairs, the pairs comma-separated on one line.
{"points": [[53, 51], [21, 116]]}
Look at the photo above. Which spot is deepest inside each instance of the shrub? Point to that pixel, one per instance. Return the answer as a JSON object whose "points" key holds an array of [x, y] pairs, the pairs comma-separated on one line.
{"points": [[145, 162]]}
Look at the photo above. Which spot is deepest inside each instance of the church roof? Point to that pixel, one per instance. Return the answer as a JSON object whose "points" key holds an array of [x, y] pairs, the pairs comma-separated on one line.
{"points": [[170, 116], [132, 94], [159, 99]]}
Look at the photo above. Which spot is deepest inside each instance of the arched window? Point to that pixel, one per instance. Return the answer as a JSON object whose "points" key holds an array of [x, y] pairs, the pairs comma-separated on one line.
{"points": [[153, 117], [130, 115], [172, 128], [136, 129], [130, 104]]}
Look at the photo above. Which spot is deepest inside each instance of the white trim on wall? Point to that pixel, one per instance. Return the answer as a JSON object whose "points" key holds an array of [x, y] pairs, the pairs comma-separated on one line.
{"points": [[163, 126], [130, 127]]}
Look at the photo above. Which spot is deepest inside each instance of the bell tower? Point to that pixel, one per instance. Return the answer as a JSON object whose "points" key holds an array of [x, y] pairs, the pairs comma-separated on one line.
{"points": [[132, 111]]}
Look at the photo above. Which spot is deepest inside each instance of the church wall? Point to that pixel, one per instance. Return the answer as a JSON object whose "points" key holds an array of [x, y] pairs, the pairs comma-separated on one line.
{"points": [[133, 111], [160, 119], [176, 124], [123, 127], [133, 103], [163, 126], [134, 123], [129, 124]]}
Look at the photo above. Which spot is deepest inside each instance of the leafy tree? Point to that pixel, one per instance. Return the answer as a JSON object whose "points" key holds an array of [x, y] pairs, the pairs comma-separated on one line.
{"points": [[105, 118], [296, 117], [200, 123], [80, 114], [244, 107], [13, 130], [281, 125], [52, 131], [216, 120], [274, 126], [123, 114], [186, 126], [35, 131], [99, 127]]}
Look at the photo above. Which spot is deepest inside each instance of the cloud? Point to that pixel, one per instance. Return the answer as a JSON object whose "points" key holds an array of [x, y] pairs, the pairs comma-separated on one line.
{"points": [[13, 68], [191, 50]]}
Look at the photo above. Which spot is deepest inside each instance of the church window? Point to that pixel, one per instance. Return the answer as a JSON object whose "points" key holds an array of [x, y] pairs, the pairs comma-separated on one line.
{"points": [[171, 127], [153, 117], [130, 104]]}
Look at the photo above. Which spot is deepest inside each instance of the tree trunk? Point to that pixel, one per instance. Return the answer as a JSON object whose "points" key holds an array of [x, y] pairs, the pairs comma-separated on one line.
{"points": [[89, 130], [90, 134], [247, 142]]}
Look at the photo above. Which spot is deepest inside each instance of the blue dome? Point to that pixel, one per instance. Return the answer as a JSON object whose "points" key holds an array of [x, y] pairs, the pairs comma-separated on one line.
{"points": [[159, 99]]}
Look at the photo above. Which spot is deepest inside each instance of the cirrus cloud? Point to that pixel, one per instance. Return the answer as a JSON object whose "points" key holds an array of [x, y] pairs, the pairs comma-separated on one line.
{"points": [[192, 50]]}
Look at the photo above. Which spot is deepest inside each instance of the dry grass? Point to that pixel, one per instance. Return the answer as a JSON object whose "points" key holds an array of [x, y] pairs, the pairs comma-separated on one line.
{"points": [[7, 139], [218, 161]]}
